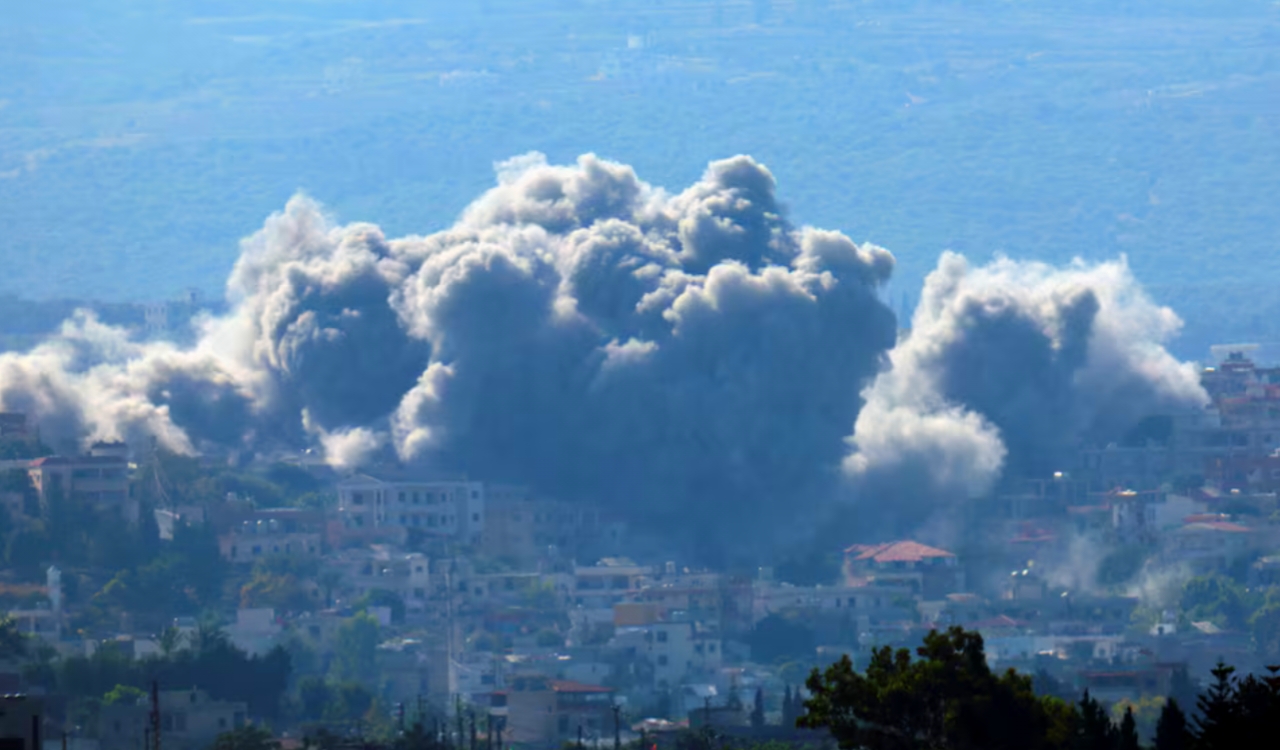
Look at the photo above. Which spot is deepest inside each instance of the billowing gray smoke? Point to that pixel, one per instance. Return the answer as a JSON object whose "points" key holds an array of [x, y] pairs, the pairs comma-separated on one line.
{"points": [[690, 357], [1007, 368]]}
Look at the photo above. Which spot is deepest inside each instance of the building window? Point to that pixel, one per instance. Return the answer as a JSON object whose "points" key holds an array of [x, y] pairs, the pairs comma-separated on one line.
{"points": [[662, 660], [662, 636], [475, 494], [416, 498], [402, 497], [357, 498], [475, 517], [257, 549]]}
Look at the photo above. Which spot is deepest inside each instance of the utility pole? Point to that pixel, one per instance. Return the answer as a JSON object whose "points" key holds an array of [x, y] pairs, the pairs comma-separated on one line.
{"points": [[400, 717], [472, 714], [457, 711], [617, 727], [155, 714], [580, 745]]}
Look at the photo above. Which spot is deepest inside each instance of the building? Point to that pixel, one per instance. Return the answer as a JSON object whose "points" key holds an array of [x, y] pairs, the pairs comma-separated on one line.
{"points": [[21, 722], [928, 571], [443, 508], [545, 712], [189, 720], [360, 571], [521, 526], [1211, 543], [99, 478], [674, 650], [275, 531]]}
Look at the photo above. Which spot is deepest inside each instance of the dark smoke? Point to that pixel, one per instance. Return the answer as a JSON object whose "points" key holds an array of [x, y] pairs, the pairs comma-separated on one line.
{"points": [[692, 358]]}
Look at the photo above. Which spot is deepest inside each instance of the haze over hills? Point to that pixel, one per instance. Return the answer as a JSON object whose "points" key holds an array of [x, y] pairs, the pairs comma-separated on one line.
{"points": [[140, 140]]}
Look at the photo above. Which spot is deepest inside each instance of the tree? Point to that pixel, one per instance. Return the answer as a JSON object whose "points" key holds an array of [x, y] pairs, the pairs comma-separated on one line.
{"points": [[1215, 598], [1127, 737], [283, 593], [777, 638], [355, 651], [1094, 729], [1171, 729], [1218, 723], [947, 697], [170, 641], [13, 643], [123, 694], [248, 737], [383, 598], [314, 696], [757, 710], [1264, 625]]}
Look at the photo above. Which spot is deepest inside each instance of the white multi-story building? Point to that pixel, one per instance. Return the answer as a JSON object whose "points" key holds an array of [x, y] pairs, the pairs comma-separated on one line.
{"points": [[448, 508]]}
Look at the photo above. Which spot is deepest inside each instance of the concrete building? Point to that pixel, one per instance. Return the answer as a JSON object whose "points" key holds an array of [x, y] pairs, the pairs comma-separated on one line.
{"points": [[21, 722], [99, 479], [443, 508], [405, 574], [928, 571], [521, 526], [254, 538], [189, 720], [547, 712]]}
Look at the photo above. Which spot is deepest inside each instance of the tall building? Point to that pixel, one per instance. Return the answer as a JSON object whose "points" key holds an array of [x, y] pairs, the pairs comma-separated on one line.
{"points": [[446, 508], [99, 478]]}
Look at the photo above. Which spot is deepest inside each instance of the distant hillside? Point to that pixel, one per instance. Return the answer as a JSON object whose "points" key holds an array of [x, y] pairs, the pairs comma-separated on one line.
{"points": [[141, 140]]}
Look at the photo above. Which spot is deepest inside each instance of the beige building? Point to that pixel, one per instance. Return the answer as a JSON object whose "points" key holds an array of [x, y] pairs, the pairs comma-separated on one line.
{"points": [[189, 720], [99, 478], [546, 712], [443, 508]]}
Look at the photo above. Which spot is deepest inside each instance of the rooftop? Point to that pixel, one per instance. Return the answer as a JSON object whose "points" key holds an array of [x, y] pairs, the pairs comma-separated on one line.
{"points": [[568, 686], [903, 551]]}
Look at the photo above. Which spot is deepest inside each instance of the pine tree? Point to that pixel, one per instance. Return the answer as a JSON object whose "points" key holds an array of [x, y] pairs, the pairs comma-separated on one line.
{"points": [[1218, 726], [1095, 731], [757, 711], [1171, 728], [788, 718], [1127, 738]]}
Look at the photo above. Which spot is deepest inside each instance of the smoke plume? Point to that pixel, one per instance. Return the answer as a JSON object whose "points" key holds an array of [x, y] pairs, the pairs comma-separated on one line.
{"points": [[1005, 370], [691, 357]]}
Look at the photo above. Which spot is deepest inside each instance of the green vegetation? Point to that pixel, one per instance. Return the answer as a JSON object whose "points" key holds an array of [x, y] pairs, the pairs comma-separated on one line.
{"points": [[209, 661], [946, 697]]}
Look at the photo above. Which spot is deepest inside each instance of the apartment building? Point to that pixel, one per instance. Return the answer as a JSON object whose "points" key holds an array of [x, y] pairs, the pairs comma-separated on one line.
{"points": [[436, 507], [99, 478], [189, 720]]}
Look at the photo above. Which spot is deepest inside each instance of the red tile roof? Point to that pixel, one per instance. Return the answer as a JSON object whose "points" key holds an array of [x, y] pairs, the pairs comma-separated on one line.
{"points": [[567, 686], [904, 551], [1227, 526]]}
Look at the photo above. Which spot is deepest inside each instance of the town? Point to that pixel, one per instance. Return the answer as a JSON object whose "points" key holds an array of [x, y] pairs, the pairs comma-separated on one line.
{"points": [[156, 598]]}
